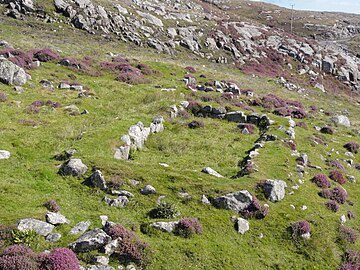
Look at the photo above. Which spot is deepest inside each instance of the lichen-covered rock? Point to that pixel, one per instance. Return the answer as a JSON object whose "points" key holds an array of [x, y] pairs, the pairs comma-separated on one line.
{"points": [[11, 74], [4, 154], [38, 226], [274, 190], [81, 227], [242, 225], [56, 218], [236, 201], [91, 240], [341, 120], [165, 226], [97, 180]]}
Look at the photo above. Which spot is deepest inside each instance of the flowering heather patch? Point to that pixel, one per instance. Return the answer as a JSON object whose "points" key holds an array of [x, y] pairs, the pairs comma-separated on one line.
{"points": [[119, 59], [302, 125], [190, 69], [327, 130], [348, 234], [351, 260], [299, 228], [294, 112], [194, 107], [3, 97], [60, 259], [119, 231], [321, 180], [17, 257], [249, 127], [187, 227], [271, 101], [52, 206], [145, 69], [337, 176], [130, 78], [133, 250], [339, 194], [332, 205], [18, 57], [196, 124], [84, 65], [242, 106], [335, 163], [45, 55], [352, 147]]}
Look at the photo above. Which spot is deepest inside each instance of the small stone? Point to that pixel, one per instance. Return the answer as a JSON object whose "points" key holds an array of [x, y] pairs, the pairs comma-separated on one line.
{"points": [[121, 201], [147, 190], [100, 260], [134, 182], [164, 165], [104, 219], [343, 219], [73, 167], [204, 200], [4, 154], [304, 207], [351, 178], [97, 180], [212, 172], [292, 206], [242, 225], [306, 236], [53, 237]]}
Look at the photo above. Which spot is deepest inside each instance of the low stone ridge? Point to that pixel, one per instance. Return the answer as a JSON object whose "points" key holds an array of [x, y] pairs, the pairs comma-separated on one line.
{"points": [[236, 201], [274, 190], [56, 219], [4, 154], [12, 74], [81, 227], [40, 227], [73, 167], [91, 240]]}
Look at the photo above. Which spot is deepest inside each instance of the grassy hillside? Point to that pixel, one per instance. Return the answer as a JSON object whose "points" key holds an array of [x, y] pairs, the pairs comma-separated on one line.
{"points": [[29, 177]]}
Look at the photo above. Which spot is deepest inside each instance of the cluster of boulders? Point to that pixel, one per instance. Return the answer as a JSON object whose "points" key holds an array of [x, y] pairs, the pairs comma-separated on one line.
{"points": [[136, 137]]}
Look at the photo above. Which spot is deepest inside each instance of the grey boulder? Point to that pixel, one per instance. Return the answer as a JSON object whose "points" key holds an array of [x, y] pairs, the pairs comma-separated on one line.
{"points": [[121, 201], [341, 120], [274, 190], [147, 190], [56, 218], [80, 228], [165, 226], [212, 172], [91, 240], [73, 167], [11, 74], [53, 237], [236, 201], [4, 154], [97, 179], [242, 225], [38, 226]]}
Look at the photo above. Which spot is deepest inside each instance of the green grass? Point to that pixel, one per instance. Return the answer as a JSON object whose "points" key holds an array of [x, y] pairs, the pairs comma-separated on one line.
{"points": [[29, 177]]}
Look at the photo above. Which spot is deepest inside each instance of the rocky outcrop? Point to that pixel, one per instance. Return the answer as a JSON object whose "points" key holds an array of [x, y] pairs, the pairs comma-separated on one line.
{"points": [[91, 240], [38, 226]]}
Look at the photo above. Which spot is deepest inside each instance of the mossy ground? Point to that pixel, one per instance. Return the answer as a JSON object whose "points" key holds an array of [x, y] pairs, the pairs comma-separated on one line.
{"points": [[29, 177]]}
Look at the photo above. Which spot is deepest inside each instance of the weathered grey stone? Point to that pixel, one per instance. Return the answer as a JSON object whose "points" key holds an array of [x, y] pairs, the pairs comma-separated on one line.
{"points": [[56, 218], [122, 153], [97, 179], [11, 74], [91, 240], [38, 226], [80, 228], [110, 247], [341, 120], [100, 267], [53, 237], [120, 201], [236, 201], [147, 190], [238, 117], [139, 134], [4, 154], [165, 226], [151, 19], [73, 167], [157, 125], [242, 225], [274, 190], [204, 199], [212, 172], [102, 260], [122, 193], [328, 65]]}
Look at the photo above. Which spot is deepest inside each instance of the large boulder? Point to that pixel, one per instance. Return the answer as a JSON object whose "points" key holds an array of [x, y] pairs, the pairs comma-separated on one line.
{"points": [[236, 201], [97, 180], [91, 240], [341, 120], [38, 226], [11, 74], [274, 190], [73, 167]]}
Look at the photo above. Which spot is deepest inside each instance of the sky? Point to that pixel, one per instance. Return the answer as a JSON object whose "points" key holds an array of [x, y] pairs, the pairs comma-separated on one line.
{"points": [[350, 6]]}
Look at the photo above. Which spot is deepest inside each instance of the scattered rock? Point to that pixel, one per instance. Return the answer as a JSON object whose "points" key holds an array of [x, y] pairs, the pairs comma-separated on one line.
{"points": [[236, 201], [110, 247], [341, 120], [91, 240], [121, 201], [100, 267], [56, 218], [80, 228], [212, 172], [11, 74], [53, 237], [4, 154], [274, 190], [97, 180], [122, 193], [73, 167], [242, 225], [100, 260], [147, 190], [165, 226], [204, 200], [38, 226]]}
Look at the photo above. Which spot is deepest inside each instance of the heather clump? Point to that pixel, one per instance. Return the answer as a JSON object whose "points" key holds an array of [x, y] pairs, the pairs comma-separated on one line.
{"points": [[52, 206], [255, 210], [18, 257], [196, 124], [321, 180], [337, 176], [187, 227], [335, 163], [300, 229], [352, 147], [60, 259], [332, 205], [247, 128], [45, 55], [337, 194], [190, 69], [347, 234]]}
